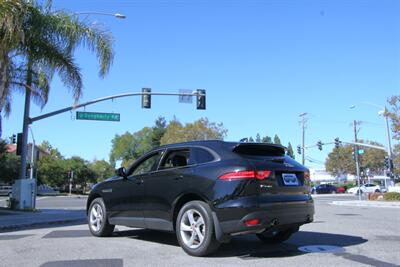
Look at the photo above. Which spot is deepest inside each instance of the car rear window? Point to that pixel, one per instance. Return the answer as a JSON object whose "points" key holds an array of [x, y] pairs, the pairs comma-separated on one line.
{"points": [[259, 149], [176, 159], [202, 155]]}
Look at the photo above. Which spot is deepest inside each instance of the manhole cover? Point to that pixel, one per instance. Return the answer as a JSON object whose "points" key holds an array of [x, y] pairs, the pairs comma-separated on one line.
{"points": [[321, 249]]}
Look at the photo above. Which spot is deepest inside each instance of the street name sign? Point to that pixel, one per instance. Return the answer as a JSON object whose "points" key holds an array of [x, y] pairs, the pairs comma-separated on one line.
{"points": [[97, 116], [185, 98]]}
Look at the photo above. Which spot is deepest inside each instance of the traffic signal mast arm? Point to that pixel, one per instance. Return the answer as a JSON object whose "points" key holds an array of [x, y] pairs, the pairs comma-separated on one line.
{"points": [[56, 112], [351, 143]]}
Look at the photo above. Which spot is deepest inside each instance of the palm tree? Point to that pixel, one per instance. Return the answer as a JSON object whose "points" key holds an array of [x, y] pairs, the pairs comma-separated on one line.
{"points": [[39, 43], [11, 34]]}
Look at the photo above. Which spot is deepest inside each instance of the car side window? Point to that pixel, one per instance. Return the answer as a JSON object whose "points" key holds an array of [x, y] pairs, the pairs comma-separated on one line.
{"points": [[147, 165], [175, 159], [202, 155]]}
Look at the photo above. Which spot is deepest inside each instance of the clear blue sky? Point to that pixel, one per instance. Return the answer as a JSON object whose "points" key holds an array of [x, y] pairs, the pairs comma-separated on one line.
{"points": [[261, 62]]}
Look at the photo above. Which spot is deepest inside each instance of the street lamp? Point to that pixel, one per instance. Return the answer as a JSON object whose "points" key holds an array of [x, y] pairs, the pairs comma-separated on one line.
{"points": [[382, 112], [116, 15]]}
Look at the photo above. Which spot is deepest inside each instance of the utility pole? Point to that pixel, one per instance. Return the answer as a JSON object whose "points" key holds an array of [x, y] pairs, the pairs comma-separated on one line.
{"points": [[385, 114], [356, 158], [303, 127]]}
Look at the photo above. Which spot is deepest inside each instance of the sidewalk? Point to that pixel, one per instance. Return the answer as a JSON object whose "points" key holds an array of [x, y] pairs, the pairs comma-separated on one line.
{"points": [[11, 220], [368, 203]]}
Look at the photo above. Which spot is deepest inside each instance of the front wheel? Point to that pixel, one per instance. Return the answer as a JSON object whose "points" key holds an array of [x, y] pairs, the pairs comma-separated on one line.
{"points": [[97, 219], [195, 229], [275, 237]]}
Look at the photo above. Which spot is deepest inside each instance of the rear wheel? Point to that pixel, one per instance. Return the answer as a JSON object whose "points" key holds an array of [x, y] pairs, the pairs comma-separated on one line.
{"points": [[195, 229], [97, 219], [274, 237]]}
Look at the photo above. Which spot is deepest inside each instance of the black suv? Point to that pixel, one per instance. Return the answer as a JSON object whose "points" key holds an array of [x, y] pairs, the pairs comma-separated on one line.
{"points": [[206, 192]]}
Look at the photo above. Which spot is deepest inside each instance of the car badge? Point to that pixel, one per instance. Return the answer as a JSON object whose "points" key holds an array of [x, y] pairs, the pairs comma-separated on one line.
{"points": [[288, 165]]}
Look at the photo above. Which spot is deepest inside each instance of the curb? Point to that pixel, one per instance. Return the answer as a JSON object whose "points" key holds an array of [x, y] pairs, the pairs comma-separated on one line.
{"points": [[366, 203], [18, 227]]}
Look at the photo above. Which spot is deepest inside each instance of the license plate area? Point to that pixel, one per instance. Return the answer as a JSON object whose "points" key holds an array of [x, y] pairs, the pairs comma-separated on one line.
{"points": [[290, 179]]}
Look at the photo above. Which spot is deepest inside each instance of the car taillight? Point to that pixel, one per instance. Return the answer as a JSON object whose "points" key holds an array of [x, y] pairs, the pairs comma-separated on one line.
{"points": [[252, 222], [307, 180], [260, 175]]}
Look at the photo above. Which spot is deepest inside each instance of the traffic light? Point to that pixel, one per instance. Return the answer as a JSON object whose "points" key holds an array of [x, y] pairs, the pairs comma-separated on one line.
{"points": [[337, 142], [299, 149], [201, 99], [319, 145], [146, 98], [388, 163], [19, 144], [353, 152], [13, 139]]}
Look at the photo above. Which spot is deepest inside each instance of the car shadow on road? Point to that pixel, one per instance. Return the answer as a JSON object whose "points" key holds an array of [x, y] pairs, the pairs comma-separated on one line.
{"points": [[248, 246]]}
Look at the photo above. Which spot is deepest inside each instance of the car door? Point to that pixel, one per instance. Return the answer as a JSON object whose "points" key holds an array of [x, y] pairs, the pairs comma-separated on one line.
{"points": [[127, 203], [164, 186]]}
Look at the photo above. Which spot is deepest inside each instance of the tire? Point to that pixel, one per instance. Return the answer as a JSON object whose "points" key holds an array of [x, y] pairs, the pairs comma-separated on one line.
{"points": [[196, 240], [377, 191], [97, 219], [276, 237]]}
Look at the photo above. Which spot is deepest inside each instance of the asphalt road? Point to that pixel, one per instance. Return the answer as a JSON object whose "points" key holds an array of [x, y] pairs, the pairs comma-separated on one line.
{"points": [[356, 236]]}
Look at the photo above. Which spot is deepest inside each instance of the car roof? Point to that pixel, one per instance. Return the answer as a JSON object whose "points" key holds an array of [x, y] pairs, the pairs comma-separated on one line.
{"points": [[212, 144]]}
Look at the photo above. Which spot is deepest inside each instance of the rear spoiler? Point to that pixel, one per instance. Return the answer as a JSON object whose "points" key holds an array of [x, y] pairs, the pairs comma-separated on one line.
{"points": [[259, 149]]}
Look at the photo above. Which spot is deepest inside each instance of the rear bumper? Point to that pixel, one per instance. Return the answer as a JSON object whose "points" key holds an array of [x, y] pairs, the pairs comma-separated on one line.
{"points": [[230, 220]]}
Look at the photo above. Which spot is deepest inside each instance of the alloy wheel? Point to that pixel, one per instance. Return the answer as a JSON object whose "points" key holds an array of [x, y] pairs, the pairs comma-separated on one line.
{"points": [[96, 217], [192, 228]]}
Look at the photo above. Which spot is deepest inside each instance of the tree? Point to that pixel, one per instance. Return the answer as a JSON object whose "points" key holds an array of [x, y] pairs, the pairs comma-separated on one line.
{"points": [[83, 175], [12, 13], [277, 140], [102, 169], [396, 160], [258, 138], [290, 152], [51, 168], [9, 164], [340, 161], [394, 115], [201, 129], [159, 130], [267, 139], [251, 140], [41, 42], [128, 147]]}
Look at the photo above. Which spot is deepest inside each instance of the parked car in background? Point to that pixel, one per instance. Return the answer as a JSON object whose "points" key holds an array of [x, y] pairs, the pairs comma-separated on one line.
{"points": [[340, 189], [45, 190], [365, 188], [324, 189], [206, 192], [5, 190]]}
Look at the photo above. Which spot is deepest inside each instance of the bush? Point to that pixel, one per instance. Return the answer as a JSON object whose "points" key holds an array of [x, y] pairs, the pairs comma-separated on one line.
{"points": [[392, 196]]}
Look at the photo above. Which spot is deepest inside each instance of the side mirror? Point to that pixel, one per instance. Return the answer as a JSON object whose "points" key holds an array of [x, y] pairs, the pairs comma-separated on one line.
{"points": [[121, 172]]}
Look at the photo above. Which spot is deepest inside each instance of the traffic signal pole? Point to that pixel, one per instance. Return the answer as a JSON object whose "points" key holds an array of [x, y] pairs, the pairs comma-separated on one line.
{"points": [[356, 158], [22, 185], [303, 126]]}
